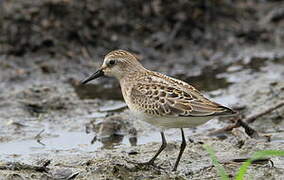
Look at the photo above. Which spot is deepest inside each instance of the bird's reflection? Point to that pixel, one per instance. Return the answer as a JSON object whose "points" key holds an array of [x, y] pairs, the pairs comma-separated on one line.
{"points": [[111, 131]]}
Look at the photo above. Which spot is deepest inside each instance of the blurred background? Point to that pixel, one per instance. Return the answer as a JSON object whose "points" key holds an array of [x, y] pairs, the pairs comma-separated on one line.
{"points": [[230, 50]]}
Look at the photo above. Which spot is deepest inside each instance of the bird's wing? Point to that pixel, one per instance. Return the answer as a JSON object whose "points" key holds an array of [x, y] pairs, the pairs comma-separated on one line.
{"points": [[162, 100]]}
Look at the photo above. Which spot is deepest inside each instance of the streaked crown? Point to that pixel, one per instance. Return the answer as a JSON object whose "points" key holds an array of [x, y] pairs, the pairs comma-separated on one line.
{"points": [[120, 54], [118, 63]]}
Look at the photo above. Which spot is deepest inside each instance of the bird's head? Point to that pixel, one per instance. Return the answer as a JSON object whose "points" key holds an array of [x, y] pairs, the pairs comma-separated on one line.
{"points": [[117, 64]]}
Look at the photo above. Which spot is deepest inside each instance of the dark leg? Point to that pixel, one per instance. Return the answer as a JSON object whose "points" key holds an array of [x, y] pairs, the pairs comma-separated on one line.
{"points": [[151, 162], [182, 147], [163, 146]]}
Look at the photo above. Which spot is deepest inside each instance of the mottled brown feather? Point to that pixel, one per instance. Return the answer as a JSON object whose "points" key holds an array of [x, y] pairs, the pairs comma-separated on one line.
{"points": [[172, 100]]}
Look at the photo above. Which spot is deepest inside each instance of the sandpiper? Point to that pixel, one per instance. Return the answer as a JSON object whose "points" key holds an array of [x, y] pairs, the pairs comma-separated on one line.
{"points": [[160, 100]]}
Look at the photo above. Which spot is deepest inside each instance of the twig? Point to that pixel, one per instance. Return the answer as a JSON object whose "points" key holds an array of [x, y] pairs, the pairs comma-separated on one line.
{"points": [[238, 123], [73, 176], [225, 129], [38, 137], [255, 161], [251, 132], [254, 117], [244, 123]]}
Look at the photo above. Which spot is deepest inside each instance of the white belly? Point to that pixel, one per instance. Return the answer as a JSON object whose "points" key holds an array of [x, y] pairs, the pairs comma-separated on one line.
{"points": [[173, 122]]}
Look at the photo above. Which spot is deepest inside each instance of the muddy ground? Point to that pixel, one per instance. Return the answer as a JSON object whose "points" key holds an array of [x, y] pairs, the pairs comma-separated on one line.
{"points": [[53, 128]]}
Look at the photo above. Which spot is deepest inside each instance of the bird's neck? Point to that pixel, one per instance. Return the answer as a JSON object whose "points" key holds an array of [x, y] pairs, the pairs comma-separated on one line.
{"points": [[133, 75], [126, 85]]}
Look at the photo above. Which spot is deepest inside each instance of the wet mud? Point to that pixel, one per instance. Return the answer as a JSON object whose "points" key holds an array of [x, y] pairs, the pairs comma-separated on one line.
{"points": [[51, 127]]}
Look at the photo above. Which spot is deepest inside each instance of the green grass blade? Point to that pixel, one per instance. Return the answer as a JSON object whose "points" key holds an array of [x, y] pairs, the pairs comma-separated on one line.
{"points": [[258, 155], [220, 169]]}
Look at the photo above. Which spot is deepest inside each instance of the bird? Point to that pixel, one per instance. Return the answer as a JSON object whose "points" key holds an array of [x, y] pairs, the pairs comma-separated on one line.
{"points": [[158, 99]]}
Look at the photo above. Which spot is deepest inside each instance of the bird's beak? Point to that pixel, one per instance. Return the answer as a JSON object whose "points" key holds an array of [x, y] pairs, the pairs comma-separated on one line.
{"points": [[97, 74]]}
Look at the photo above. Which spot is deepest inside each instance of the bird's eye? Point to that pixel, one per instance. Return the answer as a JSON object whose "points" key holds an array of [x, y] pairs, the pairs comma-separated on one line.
{"points": [[111, 62]]}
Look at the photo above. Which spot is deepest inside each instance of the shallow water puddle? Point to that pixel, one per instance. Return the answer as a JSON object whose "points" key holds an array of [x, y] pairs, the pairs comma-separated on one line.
{"points": [[63, 141], [76, 142]]}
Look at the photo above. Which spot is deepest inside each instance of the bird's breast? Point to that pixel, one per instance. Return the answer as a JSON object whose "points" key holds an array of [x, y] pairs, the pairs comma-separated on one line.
{"points": [[126, 90]]}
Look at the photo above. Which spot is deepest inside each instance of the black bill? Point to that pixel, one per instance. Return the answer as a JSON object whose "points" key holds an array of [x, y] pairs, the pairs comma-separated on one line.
{"points": [[97, 74]]}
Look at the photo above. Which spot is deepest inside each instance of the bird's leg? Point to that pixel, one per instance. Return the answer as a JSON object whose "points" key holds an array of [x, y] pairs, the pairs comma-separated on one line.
{"points": [[182, 147], [151, 162], [163, 146]]}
